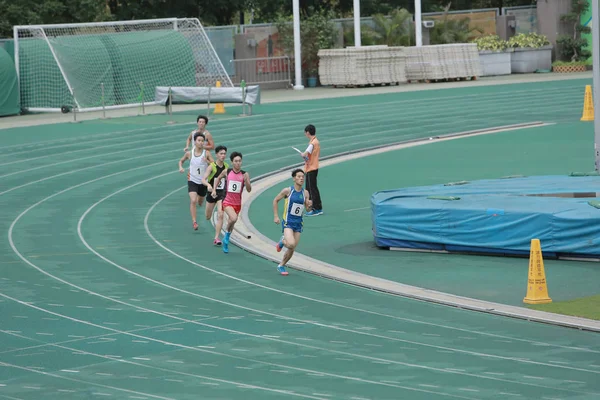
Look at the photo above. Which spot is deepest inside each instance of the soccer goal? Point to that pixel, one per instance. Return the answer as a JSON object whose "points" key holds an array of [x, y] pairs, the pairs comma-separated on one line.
{"points": [[107, 65]]}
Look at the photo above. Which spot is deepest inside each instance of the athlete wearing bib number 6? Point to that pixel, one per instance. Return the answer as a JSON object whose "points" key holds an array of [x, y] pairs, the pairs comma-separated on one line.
{"points": [[297, 200], [199, 160], [236, 180]]}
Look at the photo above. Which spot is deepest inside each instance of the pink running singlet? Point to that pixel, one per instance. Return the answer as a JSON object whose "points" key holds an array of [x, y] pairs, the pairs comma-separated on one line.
{"points": [[235, 185]]}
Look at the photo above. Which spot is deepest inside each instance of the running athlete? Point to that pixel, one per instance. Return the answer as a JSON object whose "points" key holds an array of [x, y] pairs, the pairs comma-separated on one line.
{"points": [[199, 160], [209, 143], [214, 169], [236, 180], [296, 200]]}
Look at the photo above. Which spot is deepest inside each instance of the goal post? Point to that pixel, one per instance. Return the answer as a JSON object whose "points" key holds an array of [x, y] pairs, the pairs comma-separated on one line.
{"points": [[116, 64]]}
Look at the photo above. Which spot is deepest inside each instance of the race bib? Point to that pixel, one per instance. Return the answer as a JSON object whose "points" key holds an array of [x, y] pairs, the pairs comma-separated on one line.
{"points": [[297, 209], [197, 173], [221, 184], [234, 187]]}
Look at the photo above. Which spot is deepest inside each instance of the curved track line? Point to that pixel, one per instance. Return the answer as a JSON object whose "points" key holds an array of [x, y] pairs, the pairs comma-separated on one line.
{"points": [[157, 242], [496, 95], [16, 251], [203, 350], [351, 277], [430, 369], [355, 127], [91, 167], [123, 361], [3, 364]]}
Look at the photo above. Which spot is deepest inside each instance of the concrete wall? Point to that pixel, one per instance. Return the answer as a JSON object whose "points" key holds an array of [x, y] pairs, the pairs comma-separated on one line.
{"points": [[548, 16]]}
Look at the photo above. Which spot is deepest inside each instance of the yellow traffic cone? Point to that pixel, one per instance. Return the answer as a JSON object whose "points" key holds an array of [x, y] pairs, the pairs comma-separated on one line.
{"points": [[537, 289], [219, 107], [588, 105]]}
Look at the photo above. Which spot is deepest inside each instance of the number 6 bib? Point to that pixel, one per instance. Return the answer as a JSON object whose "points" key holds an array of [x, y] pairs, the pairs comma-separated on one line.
{"points": [[297, 209]]}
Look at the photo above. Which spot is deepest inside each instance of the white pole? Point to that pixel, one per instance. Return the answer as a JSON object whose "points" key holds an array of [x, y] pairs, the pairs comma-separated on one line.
{"points": [[357, 23], [596, 82], [17, 65], [297, 52], [418, 24]]}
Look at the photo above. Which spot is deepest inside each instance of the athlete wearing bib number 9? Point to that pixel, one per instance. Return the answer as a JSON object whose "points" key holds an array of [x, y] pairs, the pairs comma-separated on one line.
{"points": [[297, 200], [236, 180]]}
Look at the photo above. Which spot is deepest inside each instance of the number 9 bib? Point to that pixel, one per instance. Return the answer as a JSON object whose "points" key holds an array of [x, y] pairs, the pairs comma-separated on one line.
{"points": [[234, 186]]}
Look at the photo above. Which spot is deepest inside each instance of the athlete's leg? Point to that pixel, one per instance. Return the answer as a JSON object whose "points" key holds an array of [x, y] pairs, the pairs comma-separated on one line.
{"points": [[201, 194], [208, 212], [219, 224], [193, 201], [232, 219], [290, 241]]}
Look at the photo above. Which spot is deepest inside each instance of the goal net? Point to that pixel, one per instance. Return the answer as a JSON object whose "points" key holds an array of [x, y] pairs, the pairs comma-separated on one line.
{"points": [[112, 64]]}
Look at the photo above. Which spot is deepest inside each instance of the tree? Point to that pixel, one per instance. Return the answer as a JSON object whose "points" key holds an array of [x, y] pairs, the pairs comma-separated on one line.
{"points": [[28, 12], [452, 30], [572, 45], [317, 31], [394, 30]]}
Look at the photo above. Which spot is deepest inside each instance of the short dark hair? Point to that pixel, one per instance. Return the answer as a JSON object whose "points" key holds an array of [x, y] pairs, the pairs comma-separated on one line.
{"points": [[312, 131], [294, 172], [219, 148], [197, 134], [234, 155], [204, 117]]}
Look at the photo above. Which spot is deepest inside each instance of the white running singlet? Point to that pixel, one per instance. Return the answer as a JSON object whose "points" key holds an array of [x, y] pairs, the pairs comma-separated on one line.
{"points": [[198, 165]]}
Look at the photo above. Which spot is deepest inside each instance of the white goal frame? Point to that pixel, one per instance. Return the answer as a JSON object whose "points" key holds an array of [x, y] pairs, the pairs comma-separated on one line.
{"points": [[175, 22]]}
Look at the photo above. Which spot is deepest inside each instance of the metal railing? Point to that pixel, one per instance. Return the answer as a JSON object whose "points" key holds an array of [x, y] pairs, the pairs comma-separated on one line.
{"points": [[264, 70]]}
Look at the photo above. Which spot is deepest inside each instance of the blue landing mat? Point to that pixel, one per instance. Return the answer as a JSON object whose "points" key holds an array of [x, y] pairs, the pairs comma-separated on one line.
{"points": [[494, 216]]}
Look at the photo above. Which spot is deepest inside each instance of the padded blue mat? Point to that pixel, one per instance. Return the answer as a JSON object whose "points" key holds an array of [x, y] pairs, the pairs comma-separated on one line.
{"points": [[495, 216]]}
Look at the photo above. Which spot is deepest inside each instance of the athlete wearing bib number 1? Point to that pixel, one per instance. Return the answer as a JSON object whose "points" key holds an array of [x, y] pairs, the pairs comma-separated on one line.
{"points": [[199, 160], [297, 200], [236, 180]]}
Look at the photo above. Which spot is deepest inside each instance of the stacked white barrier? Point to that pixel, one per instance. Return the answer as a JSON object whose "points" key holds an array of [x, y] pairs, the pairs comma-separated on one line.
{"points": [[372, 65], [368, 65], [446, 61]]}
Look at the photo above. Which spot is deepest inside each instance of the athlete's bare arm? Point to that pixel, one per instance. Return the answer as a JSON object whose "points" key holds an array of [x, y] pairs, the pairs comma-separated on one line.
{"points": [[285, 192], [205, 178], [209, 157], [209, 143], [307, 200], [217, 181], [247, 181], [189, 141], [186, 156]]}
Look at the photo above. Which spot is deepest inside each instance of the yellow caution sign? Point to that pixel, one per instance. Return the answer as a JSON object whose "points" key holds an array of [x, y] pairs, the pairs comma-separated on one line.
{"points": [[588, 105], [537, 289], [220, 108]]}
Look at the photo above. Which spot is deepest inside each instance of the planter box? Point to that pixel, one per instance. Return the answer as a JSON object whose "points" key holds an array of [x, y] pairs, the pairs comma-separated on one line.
{"points": [[566, 69], [495, 62], [528, 60]]}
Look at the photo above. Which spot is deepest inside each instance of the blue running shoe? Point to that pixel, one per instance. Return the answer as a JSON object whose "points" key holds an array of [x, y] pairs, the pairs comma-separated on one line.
{"points": [[281, 270], [225, 246], [279, 245]]}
